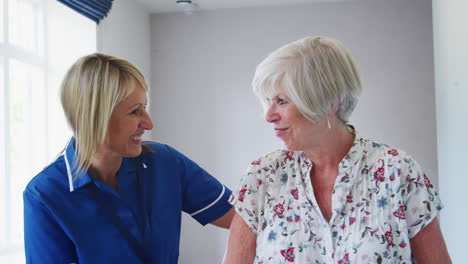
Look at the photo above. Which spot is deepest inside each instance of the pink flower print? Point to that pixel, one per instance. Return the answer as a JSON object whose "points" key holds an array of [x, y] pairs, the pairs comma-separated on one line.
{"points": [[257, 162], [289, 155], [288, 254], [279, 209], [259, 183], [427, 182], [349, 198], [241, 194], [400, 213], [393, 152], [295, 193], [345, 259], [294, 218], [379, 173], [352, 220], [402, 244], [389, 238]]}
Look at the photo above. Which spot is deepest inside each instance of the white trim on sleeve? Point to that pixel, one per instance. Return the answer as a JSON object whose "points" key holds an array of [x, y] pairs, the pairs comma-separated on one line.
{"points": [[211, 204]]}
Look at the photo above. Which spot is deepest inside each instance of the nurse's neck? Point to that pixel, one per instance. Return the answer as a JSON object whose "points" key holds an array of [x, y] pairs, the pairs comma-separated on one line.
{"points": [[104, 166]]}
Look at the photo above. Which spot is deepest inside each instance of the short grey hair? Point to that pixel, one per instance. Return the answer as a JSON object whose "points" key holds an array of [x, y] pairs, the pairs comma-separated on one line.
{"points": [[318, 74]]}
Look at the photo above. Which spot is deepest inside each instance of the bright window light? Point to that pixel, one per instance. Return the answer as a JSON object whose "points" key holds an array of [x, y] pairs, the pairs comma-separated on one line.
{"points": [[39, 40]]}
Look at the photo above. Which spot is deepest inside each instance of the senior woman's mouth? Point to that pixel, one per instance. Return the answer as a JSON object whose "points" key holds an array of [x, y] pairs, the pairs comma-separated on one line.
{"points": [[280, 131]]}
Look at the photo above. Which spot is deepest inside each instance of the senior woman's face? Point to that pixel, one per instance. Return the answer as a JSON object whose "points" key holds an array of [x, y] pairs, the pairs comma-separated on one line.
{"points": [[290, 125], [128, 122]]}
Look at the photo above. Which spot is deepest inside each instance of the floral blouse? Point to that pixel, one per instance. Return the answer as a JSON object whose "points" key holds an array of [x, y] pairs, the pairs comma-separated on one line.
{"points": [[381, 199]]}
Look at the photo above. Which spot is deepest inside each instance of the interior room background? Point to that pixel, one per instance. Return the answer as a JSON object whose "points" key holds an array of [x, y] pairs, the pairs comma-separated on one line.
{"points": [[412, 59]]}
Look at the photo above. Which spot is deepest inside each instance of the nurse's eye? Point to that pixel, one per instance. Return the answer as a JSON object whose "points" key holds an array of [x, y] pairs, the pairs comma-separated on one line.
{"points": [[135, 112]]}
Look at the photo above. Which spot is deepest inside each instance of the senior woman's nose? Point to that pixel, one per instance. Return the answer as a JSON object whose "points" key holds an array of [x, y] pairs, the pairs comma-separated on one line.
{"points": [[271, 115]]}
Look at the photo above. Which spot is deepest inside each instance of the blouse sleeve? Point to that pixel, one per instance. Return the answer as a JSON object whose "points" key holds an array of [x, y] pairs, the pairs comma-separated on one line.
{"points": [[421, 200], [248, 196]]}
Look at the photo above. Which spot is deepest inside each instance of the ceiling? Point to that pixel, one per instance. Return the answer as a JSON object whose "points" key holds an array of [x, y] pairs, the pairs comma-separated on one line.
{"points": [[169, 6]]}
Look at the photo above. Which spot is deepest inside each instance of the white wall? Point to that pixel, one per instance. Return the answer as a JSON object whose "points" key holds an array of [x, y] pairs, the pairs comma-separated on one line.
{"points": [[451, 72], [125, 33], [202, 66]]}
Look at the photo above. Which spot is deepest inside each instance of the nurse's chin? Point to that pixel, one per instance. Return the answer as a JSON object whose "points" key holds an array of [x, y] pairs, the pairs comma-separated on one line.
{"points": [[134, 153]]}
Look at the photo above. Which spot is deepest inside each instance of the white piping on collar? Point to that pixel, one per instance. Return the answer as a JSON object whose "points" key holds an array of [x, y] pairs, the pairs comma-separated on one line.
{"points": [[211, 204], [70, 176]]}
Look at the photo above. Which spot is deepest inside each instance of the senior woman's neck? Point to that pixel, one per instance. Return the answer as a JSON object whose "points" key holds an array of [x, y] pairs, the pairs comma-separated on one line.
{"points": [[331, 147]]}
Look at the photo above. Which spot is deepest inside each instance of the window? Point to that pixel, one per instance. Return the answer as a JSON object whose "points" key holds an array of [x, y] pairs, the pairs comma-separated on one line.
{"points": [[39, 40]]}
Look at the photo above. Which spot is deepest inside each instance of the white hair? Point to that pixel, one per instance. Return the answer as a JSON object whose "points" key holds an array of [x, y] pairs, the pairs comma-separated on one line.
{"points": [[318, 74]]}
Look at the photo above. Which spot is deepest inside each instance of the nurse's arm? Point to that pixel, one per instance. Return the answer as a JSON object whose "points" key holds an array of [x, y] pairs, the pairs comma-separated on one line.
{"points": [[428, 246], [225, 220], [242, 242], [44, 239]]}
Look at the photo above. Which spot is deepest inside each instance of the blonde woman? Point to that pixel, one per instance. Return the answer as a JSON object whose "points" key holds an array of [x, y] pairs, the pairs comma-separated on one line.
{"points": [[112, 198], [331, 196]]}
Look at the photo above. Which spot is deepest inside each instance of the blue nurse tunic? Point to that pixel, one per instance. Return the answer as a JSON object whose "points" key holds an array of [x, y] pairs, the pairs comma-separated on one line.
{"points": [[85, 220]]}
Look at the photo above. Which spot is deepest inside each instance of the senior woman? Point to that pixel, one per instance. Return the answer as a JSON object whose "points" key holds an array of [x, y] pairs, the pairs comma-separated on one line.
{"points": [[331, 196], [111, 198]]}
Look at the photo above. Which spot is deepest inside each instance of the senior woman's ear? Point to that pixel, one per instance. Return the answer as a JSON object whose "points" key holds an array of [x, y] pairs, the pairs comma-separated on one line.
{"points": [[334, 111]]}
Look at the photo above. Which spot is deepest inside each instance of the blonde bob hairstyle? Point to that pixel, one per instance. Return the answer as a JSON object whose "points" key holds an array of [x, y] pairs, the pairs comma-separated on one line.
{"points": [[91, 89], [318, 74]]}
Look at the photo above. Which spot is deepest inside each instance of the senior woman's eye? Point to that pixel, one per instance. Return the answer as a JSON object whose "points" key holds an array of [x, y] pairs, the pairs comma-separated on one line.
{"points": [[282, 101]]}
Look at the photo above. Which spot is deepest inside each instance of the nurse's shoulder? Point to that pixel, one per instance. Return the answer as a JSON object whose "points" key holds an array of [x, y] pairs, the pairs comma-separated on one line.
{"points": [[50, 180]]}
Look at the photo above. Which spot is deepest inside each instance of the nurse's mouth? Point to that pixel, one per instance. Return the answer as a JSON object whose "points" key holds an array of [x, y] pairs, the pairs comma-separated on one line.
{"points": [[136, 138]]}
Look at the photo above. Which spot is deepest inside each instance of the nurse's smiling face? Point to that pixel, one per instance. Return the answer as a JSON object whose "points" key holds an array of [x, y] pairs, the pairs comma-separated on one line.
{"points": [[128, 122]]}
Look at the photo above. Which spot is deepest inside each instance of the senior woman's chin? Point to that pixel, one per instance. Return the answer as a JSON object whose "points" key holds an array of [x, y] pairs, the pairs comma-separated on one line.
{"points": [[291, 144], [292, 147]]}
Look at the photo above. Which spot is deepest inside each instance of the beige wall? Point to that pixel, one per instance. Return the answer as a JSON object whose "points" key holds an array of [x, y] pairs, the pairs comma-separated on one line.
{"points": [[451, 72], [126, 33]]}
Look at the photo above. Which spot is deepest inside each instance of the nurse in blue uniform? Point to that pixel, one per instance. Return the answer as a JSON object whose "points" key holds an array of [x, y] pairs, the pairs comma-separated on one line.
{"points": [[111, 198]]}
